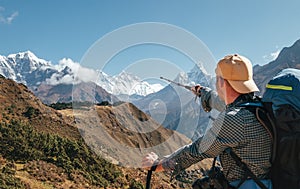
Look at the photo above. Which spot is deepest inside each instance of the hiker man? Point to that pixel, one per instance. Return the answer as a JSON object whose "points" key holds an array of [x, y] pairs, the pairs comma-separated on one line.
{"points": [[235, 127]]}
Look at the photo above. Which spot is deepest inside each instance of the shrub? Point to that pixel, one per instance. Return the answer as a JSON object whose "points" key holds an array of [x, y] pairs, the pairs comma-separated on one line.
{"points": [[21, 142], [135, 185], [61, 105], [31, 112]]}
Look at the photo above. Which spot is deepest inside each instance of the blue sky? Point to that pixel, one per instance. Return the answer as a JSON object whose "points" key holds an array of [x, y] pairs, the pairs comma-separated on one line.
{"points": [[67, 29]]}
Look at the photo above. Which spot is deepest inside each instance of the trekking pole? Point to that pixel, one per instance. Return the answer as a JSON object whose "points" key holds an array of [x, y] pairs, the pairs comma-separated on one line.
{"points": [[149, 174], [181, 85]]}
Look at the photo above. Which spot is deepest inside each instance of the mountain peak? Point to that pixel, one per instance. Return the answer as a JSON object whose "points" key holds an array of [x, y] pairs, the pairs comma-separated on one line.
{"points": [[128, 76], [197, 74], [290, 55], [27, 56], [297, 43], [23, 55], [2, 58]]}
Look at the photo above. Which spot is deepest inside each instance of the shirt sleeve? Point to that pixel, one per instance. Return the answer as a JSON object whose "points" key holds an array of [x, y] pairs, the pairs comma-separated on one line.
{"points": [[210, 99], [226, 131]]}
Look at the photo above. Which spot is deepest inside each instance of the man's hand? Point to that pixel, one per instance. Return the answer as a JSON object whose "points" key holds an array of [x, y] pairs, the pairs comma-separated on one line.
{"points": [[197, 90], [149, 160]]}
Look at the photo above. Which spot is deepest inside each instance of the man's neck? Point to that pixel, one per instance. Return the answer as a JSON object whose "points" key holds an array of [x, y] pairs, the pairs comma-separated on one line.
{"points": [[229, 101], [231, 95]]}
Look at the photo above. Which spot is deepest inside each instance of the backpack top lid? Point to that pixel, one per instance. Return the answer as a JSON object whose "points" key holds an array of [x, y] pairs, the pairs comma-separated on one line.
{"points": [[284, 89]]}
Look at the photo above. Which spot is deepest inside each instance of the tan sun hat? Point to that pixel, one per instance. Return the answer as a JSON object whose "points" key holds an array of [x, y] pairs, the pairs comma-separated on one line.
{"points": [[237, 70]]}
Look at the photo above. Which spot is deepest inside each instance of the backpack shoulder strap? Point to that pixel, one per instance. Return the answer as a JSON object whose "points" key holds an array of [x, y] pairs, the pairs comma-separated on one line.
{"points": [[264, 114], [245, 168], [266, 117]]}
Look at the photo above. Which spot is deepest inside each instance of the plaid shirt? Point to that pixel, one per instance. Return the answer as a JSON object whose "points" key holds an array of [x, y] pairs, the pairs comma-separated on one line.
{"points": [[235, 127]]}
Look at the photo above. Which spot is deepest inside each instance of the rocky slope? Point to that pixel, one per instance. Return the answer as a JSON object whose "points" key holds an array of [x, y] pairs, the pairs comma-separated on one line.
{"points": [[43, 148], [81, 92], [125, 134]]}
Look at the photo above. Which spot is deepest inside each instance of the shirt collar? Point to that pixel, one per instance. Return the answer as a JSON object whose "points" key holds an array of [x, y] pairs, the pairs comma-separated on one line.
{"points": [[241, 99]]}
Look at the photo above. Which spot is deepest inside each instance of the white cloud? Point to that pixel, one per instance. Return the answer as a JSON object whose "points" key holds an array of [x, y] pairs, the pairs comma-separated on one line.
{"points": [[12, 17], [57, 78], [76, 73], [272, 56], [7, 19], [81, 73], [74, 66], [275, 54]]}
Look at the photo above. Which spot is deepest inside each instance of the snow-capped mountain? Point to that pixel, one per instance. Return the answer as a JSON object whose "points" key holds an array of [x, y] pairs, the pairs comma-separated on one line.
{"points": [[197, 75], [26, 68], [21, 66], [174, 106], [126, 83]]}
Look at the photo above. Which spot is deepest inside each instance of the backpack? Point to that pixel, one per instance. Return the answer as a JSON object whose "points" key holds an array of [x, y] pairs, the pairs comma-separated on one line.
{"points": [[282, 101], [279, 112]]}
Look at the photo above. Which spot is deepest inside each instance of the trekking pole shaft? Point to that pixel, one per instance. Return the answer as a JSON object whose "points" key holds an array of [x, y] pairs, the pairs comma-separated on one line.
{"points": [[149, 174], [179, 84], [148, 182]]}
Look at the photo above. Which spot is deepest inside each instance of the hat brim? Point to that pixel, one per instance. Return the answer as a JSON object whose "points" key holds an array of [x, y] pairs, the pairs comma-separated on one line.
{"points": [[244, 86]]}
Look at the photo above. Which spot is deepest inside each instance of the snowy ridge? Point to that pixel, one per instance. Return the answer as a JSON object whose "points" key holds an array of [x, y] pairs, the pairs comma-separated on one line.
{"points": [[27, 68], [126, 83]]}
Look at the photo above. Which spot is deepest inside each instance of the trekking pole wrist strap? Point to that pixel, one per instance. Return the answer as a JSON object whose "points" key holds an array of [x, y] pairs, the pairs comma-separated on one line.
{"points": [[154, 165]]}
